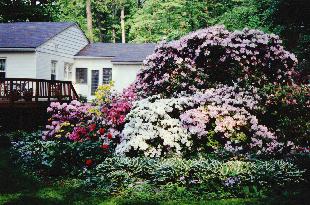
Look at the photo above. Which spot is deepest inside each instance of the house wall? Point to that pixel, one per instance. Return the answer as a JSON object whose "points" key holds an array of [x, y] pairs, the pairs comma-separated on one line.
{"points": [[90, 64], [61, 48], [122, 75], [20, 65]]}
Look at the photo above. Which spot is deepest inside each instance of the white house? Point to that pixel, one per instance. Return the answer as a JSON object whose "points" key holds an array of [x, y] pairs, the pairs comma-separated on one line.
{"points": [[61, 51], [99, 63]]}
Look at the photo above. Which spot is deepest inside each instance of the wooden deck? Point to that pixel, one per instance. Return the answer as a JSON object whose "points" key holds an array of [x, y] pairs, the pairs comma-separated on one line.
{"points": [[23, 101], [27, 92]]}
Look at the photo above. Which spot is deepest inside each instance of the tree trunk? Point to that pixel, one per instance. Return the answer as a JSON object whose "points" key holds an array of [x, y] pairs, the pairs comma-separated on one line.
{"points": [[89, 20], [123, 24], [113, 35]]}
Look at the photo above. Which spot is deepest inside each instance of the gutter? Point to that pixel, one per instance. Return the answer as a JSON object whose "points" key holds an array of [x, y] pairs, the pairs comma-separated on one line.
{"points": [[127, 62], [91, 57], [18, 49]]}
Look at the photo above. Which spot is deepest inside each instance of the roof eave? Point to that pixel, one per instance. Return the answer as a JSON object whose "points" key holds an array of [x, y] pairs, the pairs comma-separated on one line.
{"points": [[93, 57], [18, 49], [127, 62]]}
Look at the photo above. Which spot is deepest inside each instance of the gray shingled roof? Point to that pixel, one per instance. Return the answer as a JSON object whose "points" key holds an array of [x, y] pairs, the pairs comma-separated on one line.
{"points": [[120, 52], [29, 34]]}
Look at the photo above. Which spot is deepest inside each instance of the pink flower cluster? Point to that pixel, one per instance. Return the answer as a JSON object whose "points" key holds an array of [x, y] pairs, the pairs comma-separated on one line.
{"points": [[120, 107], [72, 114], [196, 120], [223, 120], [215, 55], [76, 122]]}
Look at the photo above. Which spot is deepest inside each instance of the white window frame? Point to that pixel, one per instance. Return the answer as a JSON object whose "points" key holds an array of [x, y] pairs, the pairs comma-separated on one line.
{"points": [[3, 71], [86, 76], [103, 81], [68, 71], [53, 68]]}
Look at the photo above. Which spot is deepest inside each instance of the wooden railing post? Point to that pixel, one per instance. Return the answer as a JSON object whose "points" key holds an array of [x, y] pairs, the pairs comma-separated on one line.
{"points": [[49, 91], [37, 90], [11, 91], [75, 95], [69, 91]]}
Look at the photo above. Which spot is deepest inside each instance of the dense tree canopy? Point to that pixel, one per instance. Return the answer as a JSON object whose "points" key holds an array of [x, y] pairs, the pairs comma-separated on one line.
{"points": [[25, 10], [167, 19]]}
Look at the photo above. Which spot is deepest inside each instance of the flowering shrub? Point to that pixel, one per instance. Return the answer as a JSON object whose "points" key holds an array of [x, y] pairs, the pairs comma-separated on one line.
{"points": [[64, 117], [216, 119], [287, 110], [234, 128], [79, 127], [104, 94], [215, 55], [151, 129], [119, 107], [56, 157]]}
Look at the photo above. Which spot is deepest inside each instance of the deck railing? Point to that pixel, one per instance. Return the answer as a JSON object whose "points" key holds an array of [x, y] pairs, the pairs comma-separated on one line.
{"points": [[35, 90]]}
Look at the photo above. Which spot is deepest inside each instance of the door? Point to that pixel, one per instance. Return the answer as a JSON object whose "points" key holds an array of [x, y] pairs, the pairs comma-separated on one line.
{"points": [[94, 81]]}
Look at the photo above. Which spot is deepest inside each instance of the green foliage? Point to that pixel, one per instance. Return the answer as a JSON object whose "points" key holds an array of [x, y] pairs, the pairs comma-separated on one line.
{"points": [[215, 178], [167, 19], [238, 14], [239, 17], [54, 158], [287, 110], [21, 189], [25, 10]]}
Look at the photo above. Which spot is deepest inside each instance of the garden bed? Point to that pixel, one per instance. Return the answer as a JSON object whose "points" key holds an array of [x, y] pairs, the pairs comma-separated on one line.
{"points": [[18, 187]]}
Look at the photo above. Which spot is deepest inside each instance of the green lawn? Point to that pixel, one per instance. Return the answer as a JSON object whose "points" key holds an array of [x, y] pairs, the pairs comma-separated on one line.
{"points": [[18, 188]]}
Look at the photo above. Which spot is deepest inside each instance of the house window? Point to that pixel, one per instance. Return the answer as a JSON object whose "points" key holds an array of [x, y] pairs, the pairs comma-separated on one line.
{"points": [[53, 70], [68, 71], [81, 75], [2, 67], [106, 75], [94, 81]]}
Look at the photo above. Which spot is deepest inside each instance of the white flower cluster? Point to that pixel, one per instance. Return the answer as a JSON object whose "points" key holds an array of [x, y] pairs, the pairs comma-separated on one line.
{"points": [[152, 129]]}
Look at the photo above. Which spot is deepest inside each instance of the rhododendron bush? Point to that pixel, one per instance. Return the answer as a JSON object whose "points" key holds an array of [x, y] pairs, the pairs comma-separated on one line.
{"points": [[287, 110], [215, 55], [98, 123], [80, 125], [217, 119]]}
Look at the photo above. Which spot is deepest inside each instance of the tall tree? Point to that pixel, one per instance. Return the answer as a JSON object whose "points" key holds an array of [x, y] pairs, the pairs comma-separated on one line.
{"points": [[123, 24], [89, 20]]}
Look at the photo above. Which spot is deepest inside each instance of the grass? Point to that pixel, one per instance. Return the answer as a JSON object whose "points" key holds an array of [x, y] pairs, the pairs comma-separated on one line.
{"points": [[16, 187]]}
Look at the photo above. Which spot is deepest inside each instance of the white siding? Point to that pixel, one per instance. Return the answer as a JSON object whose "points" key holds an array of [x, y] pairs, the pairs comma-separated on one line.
{"points": [[124, 75], [61, 48], [90, 64], [20, 65], [44, 65]]}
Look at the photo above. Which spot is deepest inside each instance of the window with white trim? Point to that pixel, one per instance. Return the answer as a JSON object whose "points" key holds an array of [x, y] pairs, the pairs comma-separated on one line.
{"points": [[106, 75], [53, 69], [2, 67], [68, 71], [81, 75]]}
